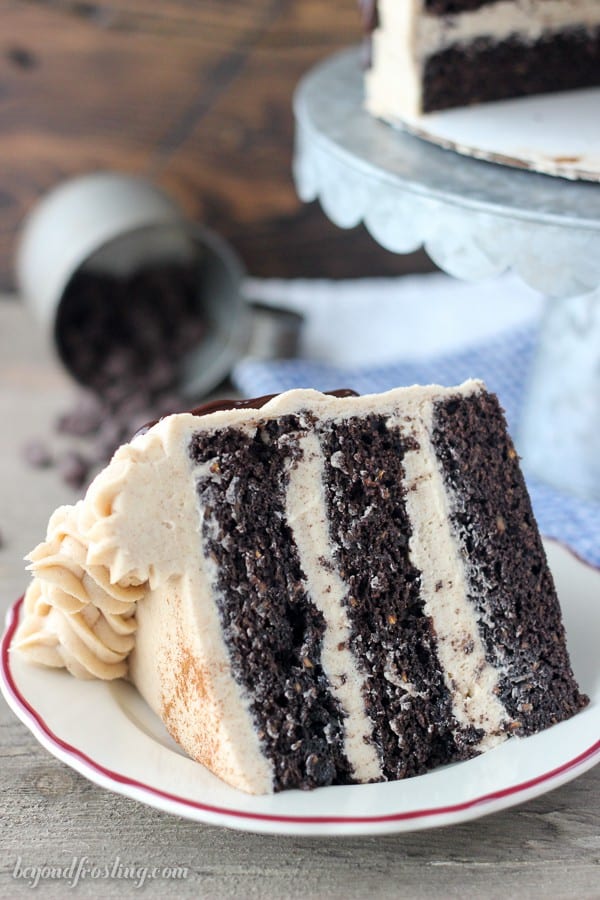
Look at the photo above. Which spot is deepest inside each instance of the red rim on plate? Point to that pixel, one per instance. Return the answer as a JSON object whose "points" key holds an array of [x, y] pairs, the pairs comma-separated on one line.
{"points": [[122, 780]]}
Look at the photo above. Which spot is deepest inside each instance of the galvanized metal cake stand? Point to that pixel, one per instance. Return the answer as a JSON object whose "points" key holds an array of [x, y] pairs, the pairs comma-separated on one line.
{"points": [[475, 219]]}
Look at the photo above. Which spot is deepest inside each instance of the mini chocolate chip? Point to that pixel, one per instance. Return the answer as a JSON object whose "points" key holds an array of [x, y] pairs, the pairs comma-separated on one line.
{"points": [[320, 769], [272, 729], [124, 338], [21, 57], [118, 363], [117, 393], [74, 468], [37, 454]]}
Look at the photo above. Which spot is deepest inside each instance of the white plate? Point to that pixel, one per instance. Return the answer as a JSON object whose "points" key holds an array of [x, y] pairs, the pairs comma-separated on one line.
{"points": [[558, 134], [105, 731]]}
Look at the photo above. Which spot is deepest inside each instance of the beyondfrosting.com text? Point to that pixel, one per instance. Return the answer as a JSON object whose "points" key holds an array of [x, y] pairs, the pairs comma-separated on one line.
{"points": [[80, 869]]}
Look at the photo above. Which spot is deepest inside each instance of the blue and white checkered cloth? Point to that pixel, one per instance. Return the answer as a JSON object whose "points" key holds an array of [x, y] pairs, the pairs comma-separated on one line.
{"points": [[503, 363]]}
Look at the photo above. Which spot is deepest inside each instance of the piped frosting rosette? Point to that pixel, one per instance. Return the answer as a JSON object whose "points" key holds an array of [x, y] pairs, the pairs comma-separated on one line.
{"points": [[79, 610]]}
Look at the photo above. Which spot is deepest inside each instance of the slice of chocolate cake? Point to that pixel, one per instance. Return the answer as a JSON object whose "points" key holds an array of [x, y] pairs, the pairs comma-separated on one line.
{"points": [[317, 590], [430, 55]]}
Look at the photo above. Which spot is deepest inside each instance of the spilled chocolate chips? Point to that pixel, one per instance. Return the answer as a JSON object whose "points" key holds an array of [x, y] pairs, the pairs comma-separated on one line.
{"points": [[124, 339]]}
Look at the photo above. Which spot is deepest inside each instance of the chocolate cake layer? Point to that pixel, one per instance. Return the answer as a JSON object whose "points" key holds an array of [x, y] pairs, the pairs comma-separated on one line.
{"points": [[454, 7], [485, 70], [507, 574], [405, 694], [272, 629]]}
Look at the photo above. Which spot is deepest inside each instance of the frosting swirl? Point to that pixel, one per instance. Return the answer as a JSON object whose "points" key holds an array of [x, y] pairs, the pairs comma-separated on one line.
{"points": [[100, 557], [76, 617]]}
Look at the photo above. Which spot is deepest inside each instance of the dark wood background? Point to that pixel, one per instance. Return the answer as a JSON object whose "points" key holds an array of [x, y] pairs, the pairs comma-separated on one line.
{"points": [[193, 93]]}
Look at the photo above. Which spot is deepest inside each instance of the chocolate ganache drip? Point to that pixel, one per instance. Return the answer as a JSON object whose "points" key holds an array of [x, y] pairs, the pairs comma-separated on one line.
{"points": [[250, 403]]}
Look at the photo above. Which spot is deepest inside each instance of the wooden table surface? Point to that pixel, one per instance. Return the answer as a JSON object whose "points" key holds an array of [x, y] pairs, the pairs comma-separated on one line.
{"points": [[547, 848], [195, 95]]}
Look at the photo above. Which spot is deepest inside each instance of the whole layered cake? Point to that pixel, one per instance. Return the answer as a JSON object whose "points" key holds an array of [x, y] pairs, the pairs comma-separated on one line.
{"points": [[430, 55], [313, 589]]}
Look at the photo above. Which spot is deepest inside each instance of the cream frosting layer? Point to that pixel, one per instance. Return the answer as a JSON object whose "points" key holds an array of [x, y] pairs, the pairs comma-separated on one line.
{"points": [[306, 514], [469, 678], [407, 35]]}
